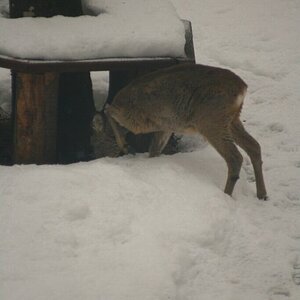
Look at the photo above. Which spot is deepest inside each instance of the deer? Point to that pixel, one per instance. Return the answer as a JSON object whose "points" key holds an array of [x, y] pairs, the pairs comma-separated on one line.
{"points": [[189, 99]]}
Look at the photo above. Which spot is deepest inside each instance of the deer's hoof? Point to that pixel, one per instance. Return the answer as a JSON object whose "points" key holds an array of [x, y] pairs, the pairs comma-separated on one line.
{"points": [[127, 149], [263, 198]]}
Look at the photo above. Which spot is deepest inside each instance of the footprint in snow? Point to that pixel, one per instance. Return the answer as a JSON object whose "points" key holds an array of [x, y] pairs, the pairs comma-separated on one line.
{"points": [[296, 267], [67, 244], [223, 11], [278, 293], [293, 196], [67, 240], [297, 164], [77, 213], [296, 274], [275, 127]]}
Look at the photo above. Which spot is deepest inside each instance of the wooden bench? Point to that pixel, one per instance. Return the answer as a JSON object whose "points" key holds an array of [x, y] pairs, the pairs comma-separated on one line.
{"points": [[35, 95]]}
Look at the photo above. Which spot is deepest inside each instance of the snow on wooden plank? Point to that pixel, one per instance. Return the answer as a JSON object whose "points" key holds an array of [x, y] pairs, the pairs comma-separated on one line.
{"points": [[130, 28]]}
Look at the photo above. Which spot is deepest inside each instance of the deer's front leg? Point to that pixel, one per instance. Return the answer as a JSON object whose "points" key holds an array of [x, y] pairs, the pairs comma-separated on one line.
{"points": [[120, 138], [159, 141]]}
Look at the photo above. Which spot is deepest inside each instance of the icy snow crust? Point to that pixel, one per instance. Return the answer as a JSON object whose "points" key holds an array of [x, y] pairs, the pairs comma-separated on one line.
{"points": [[128, 28], [136, 228]]}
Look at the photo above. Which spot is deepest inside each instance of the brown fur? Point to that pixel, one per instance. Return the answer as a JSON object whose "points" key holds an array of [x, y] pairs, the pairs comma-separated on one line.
{"points": [[190, 99]]}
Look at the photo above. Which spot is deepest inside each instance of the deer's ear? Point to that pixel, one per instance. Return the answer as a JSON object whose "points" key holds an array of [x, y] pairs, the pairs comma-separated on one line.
{"points": [[98, 122]]}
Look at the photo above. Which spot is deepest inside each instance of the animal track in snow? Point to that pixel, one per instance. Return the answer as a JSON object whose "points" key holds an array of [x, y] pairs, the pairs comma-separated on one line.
{"points": [[79, 212], [297, 164], [296, 266], [293, 196], [223, 11], [275, 127], [278, 293], [283, 146], [67, 240], [296, 273], [68, 244]]}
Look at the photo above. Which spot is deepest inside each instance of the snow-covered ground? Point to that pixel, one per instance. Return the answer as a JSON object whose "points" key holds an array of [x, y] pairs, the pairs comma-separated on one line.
{"points": [[157, 229]]}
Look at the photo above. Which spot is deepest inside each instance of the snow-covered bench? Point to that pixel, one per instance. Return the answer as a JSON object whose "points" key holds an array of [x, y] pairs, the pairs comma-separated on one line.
{"points": [[118, 36]]}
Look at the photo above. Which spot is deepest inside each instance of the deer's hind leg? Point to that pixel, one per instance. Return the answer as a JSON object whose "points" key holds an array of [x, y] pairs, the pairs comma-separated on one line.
{"points": [[223, 143], [252, 148]]}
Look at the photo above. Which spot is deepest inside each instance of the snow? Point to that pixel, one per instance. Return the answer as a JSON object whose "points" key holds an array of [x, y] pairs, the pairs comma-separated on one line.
{"points": [[129, 28], [5, 90], [139, 228]]}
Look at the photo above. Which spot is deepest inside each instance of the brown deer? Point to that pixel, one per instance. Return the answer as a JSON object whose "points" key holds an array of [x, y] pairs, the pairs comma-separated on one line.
{"points": [[190, 99]]}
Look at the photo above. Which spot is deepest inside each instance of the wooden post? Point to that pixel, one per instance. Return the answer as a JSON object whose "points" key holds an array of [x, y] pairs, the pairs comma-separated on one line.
{"points": [[34, 110], [75, 112], [75, 104], [35, 118], [46, 131]]}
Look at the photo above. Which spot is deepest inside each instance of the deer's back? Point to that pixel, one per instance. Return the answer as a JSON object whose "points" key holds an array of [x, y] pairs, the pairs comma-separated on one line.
{"points": [[179, 96]]}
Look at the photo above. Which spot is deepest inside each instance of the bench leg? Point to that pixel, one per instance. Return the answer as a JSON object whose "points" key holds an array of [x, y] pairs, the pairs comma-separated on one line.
{"points": [[75, 112], [35, 118]]}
